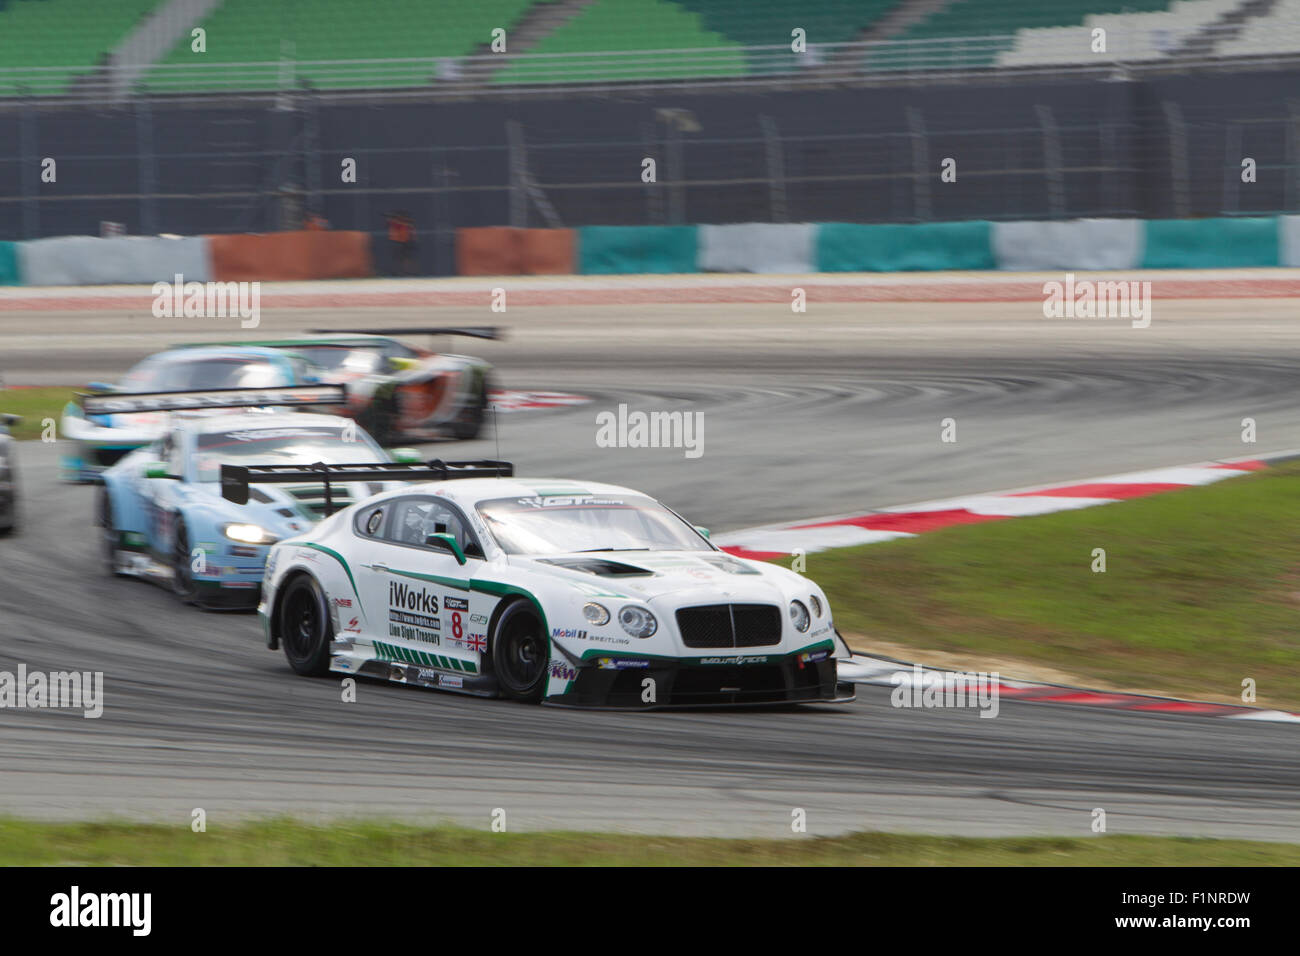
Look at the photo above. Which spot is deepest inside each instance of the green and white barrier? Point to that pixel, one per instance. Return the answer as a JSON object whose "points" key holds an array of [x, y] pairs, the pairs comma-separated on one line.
{"points": [[1211, 243], [9, 274], [769, 248], [609, 250], [763, 247], [87, 260], [928, 246], [1288, 241], [1076, 244]]}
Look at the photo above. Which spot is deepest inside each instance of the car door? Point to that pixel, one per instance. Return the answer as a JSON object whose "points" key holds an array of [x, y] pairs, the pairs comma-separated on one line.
{"points": [[421, 594]]}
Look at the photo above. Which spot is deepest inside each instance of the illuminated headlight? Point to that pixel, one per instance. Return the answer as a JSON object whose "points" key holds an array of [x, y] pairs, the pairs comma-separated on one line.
{"points": [[596, 614], [799, 616], [247, 533], [816, 604], [637, 621]]}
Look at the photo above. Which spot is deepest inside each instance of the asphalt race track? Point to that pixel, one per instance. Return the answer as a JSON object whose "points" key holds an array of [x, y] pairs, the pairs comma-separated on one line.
{"points": [[804, 415]]}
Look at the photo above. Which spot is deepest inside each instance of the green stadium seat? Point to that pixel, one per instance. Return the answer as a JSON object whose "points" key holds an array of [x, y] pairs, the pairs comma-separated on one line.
{"points": [[70, 36]]}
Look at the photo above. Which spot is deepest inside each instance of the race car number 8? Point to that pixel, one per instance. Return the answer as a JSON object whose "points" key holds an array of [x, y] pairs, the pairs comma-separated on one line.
{"points": [[457, 631]]}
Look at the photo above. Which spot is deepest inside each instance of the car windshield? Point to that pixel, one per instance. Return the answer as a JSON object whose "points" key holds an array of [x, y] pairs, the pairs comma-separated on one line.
{"points": [[338, 358], [283, 446], [568, 523], [230, 372]]}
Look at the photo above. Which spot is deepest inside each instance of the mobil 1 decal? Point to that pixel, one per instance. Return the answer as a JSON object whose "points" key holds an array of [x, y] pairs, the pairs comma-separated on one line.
{"points": [[413, 613]]}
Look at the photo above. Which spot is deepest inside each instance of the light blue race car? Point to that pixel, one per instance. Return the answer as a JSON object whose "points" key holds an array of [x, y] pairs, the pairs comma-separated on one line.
{"points": [[160, 510], [95, 442]]}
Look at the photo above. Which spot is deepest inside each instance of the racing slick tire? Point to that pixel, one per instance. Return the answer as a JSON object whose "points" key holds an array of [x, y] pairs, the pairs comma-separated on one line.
{"points": [[520, 653], [183, 584], [470, 421], [107, 533], [305, 627]]}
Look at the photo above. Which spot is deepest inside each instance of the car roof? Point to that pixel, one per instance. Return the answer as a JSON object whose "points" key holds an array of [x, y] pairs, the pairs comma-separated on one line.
{"points": [[200, 353], [351, 339]]}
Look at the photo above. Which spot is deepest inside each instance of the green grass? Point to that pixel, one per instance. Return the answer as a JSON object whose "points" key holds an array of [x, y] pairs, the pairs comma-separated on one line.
{"points": [[284, 842], [1201, 590], [35, 405]]}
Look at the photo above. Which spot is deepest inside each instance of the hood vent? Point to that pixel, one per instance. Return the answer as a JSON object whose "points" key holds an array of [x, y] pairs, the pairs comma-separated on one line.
{"points": [[598, 566]]}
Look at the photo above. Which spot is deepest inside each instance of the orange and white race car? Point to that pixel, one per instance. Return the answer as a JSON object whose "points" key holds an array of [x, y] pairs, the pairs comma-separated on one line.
{"points": [[399, 392]]}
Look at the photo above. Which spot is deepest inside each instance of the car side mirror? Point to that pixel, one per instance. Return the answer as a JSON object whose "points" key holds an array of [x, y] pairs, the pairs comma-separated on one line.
{"points": [[157, 469], [446, 542], [406, 456], [704, 532]]}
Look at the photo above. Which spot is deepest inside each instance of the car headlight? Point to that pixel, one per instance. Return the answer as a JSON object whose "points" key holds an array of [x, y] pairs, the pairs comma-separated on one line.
{"points": [[247, 533], [596, 614], [816, 604], [637, 621], [799, 616]]}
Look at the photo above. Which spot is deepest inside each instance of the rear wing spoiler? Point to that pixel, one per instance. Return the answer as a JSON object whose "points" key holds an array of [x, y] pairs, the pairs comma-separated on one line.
{"points": [[118, 403], [235, 479], [470, 331]]}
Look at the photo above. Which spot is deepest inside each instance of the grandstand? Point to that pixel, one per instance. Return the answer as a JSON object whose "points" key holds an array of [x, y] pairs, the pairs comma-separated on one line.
{"points": [[63, 40], [414, 31], [65, 47], [1269, 35]]}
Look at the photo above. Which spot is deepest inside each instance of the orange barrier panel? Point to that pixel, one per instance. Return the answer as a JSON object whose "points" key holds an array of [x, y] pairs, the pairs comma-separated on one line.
{"points": [[285, 256], [488, 251], [547, 251], [506, 251]]}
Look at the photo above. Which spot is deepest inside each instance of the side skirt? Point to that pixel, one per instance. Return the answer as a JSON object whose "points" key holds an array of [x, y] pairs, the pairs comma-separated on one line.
{"points": [[347, 658]]}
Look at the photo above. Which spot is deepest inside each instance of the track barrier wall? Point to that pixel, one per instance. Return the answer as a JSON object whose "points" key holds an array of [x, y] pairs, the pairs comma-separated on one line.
{"points": [[609, 250], [924, 247], [769, 248], [503, 250], [9, 264], [1289, 241], [1080, 244], [286, 256], [87, 260], [1211, 243], [758, 247]]}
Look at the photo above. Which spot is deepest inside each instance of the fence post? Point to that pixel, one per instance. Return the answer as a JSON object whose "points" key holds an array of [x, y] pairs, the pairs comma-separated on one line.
{"points": [[30, 173], [146, 162], [1231, 169], [518, 172], [676, 186], [654, 196], [922, 211], [1052, 163], [775, 168], [1291, 183], [1177, 158], [311, 152]]}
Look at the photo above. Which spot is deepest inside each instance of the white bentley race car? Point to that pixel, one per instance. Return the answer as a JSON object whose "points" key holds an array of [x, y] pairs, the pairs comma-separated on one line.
{"points": [[560, 591]]}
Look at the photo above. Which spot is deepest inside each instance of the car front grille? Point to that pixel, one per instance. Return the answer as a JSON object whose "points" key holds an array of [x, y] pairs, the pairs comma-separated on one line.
{"points": [[730, 625]]}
